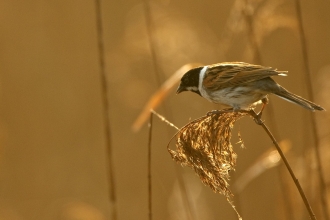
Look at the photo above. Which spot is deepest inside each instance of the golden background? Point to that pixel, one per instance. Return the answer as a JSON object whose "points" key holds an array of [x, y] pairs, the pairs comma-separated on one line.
{"points": [[53, 162]]}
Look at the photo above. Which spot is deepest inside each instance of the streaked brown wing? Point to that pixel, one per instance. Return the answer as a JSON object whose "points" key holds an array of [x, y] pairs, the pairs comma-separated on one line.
{"points": [[224, 75]]}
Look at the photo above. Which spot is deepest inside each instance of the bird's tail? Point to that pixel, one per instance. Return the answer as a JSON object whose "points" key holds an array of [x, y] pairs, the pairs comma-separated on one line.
{"points": [[284, 94]]}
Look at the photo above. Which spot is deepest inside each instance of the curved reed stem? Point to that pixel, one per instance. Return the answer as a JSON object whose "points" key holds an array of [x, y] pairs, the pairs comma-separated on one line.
{"points": [[301, 192]]}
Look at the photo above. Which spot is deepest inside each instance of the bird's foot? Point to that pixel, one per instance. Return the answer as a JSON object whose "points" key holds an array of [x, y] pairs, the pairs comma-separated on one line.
{"points": [[257, 119]]}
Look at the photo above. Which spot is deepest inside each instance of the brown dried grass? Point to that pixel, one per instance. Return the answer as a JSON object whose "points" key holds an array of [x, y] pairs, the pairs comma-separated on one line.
{"points": [[204, 145]]}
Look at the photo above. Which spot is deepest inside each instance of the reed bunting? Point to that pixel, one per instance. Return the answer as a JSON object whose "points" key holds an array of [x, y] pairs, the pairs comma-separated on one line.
{"points": [[239, 85]]}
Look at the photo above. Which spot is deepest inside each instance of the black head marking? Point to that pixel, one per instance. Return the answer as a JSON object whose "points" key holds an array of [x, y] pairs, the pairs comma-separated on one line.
{"points": [[190, 81]]}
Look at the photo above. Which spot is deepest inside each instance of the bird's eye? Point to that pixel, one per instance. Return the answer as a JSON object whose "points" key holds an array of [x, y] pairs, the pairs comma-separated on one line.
{"points": [[186, 80]]}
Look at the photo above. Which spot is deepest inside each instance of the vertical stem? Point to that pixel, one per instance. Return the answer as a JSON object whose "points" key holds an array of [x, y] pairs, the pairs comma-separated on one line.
{"points": [[323, 189], [149, 168], [152, 46], [251, 33], [151, 40], [107, 130]]}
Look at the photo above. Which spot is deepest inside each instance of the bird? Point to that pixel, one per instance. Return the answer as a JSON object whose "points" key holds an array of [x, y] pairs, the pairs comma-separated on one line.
{"points": [[239, 85]]}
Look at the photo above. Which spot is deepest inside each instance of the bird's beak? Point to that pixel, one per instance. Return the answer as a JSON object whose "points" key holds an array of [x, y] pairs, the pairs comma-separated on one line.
{"points": [[180, 89]]}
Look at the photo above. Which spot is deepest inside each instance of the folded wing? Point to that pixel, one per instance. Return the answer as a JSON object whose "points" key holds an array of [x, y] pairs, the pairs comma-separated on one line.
{"points": [[223, 75]]}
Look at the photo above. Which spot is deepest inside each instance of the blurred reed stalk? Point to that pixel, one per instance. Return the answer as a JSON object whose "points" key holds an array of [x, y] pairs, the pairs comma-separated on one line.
{"points": [[157, 72], [248, 14], [149, 168], [323, 188], [105, 98], [151, 41]]}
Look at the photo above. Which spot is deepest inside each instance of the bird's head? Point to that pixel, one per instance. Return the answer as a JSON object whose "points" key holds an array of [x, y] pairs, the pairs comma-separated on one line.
{"points": [[190, 81]]}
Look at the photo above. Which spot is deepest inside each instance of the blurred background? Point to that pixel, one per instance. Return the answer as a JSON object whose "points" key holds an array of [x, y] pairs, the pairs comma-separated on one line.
{"points": [[54, 162]]}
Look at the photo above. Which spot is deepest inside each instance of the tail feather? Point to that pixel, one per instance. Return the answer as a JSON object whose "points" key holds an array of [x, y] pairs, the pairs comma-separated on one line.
{"points": [[284, 94]]}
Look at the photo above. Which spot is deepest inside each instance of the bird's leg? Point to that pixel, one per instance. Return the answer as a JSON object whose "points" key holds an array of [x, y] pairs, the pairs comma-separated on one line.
{"points": [[264, 103]]}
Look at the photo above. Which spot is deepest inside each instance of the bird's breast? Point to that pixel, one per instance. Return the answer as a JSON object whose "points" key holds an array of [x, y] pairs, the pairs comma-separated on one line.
{"points": [[237, 97]]}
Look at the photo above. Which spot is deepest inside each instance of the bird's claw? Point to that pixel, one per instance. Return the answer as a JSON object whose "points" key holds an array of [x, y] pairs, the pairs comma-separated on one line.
{"points": [[258, 120]]}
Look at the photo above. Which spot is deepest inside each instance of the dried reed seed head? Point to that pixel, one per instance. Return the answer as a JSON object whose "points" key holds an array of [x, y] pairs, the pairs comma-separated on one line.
{"points": [[204, 145]]}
